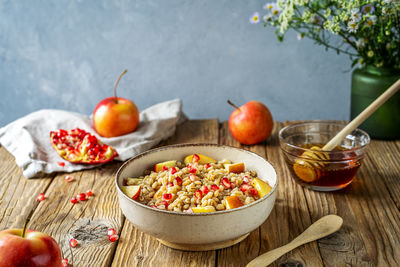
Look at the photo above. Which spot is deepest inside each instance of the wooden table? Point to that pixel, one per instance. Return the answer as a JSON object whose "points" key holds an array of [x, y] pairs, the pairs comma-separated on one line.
{"points": [[370, 206]]}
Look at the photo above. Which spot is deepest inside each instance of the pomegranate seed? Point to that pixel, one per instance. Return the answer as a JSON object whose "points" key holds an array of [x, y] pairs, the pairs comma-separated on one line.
{"points": [[226, 183], [207, 166], [204, 190], [153, 206], [253, 192], [113, 238], [62, 164], [167, 196], [63, 132], [244, 187], [81, 196], [246, 179], [73, 243], [74, 200], [193, 170], [40, 197], [215, 187], [192, 177], [89, 193], [170, 184], [173, 170], [165, 203], [165, 168], [196, 158], [69, 178], [178, 181], [111, 232], [64, 262], [198, 194]]}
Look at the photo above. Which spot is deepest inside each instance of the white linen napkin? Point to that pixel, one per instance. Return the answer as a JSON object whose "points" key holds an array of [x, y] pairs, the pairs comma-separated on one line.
{"points": [[28, 138]]}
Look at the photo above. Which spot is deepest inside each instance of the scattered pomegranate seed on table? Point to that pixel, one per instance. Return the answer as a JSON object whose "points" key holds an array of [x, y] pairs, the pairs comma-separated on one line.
{"points": [[68, 178], [65, 262], [89, 193], [73, 243], [111, 232], [41, 197], [81, 197], [113, 238], [74, 200], [62, 164]]}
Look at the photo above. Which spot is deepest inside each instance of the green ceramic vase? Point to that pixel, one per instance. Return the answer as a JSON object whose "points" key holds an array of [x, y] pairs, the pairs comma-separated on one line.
{"points": [[368, 84]]}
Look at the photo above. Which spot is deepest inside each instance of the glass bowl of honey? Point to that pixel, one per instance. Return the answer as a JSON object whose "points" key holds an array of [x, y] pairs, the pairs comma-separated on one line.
{"points": [[314, 168]]}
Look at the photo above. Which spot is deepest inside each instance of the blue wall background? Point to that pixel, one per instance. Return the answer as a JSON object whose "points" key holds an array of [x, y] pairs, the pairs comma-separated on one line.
{"points": [[67, 54]]}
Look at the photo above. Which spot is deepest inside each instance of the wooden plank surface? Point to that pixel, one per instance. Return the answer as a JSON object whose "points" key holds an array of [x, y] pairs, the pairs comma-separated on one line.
{"points": [[139, 249], [17, 194], [370, 208]]}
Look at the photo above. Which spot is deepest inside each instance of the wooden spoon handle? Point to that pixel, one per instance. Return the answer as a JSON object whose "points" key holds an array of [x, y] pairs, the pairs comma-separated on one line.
{"points": [[335, 141], [321, 228]]}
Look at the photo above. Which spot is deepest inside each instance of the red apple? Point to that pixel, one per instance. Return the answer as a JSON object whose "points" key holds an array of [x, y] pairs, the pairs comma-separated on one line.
{"points": [[115, 116], [29, 249], [251, 123]]}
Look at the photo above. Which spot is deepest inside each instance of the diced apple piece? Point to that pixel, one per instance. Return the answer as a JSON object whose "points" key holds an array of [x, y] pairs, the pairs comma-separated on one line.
{"points": [[233, 202], [132, 191], [235, 168], [262, 187], [203, 209], [167, 164], [133, 181], [201, 159]]}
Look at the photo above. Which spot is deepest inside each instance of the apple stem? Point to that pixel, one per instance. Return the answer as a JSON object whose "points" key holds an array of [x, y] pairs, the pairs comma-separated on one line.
{"points": [[24, 228], [233, 105], [116, 84]]}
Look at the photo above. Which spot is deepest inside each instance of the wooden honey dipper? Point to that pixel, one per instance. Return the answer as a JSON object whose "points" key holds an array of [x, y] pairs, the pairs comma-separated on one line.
{"points": [[308, 170]]}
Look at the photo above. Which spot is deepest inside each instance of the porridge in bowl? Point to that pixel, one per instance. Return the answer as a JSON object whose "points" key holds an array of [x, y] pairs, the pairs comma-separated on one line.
{"points": [[198, 184]]}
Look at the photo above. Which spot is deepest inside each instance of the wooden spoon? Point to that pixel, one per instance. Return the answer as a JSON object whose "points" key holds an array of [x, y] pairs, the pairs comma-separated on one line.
{"points": [[321, 228], [305, 169]]}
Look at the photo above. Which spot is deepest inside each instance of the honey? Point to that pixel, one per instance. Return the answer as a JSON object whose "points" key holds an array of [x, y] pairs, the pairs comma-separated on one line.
{"points": [[337, 172]]}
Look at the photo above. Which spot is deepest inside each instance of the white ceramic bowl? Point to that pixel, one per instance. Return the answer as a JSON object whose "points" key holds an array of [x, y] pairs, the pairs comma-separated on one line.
{"points": [[197, 231]]}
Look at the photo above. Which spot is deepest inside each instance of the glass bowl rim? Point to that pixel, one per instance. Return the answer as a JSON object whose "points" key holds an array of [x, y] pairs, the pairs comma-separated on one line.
{"points": [[321, 122]]}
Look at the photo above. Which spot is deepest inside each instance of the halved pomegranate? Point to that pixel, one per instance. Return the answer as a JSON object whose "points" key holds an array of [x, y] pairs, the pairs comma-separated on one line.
{"points": [[79, 146]]}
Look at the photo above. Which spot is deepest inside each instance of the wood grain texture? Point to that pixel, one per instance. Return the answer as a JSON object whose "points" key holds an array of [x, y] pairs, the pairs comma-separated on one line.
{"points": [[17, 194], [290, 216], [138, 249], [370, 208], [86, 221]]}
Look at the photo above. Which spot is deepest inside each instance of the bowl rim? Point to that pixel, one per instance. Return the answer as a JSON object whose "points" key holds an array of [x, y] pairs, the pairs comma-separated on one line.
{"points": [[180, 213], [322, 122]]}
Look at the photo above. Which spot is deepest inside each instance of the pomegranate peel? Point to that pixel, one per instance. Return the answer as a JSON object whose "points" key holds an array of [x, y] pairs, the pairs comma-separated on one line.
{"points": [[80, 147]]}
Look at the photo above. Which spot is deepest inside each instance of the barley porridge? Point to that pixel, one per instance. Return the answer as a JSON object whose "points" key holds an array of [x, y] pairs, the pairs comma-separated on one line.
{"points": [[198, 184]]}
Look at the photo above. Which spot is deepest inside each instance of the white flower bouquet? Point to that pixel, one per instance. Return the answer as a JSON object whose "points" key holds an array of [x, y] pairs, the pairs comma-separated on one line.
{"points": [[367, 30]]}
